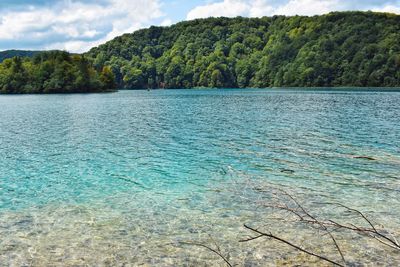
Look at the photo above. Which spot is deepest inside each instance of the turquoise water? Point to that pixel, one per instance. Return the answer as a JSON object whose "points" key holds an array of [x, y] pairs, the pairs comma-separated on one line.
{"points": [[122, 178]]}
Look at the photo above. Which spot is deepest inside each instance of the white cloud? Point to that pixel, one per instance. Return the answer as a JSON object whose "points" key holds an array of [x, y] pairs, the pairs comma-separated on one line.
{"points": [[389, 9], [227, 8], [74, 46], [166, 22], [259, 8], [76, 26], [307, 7]]}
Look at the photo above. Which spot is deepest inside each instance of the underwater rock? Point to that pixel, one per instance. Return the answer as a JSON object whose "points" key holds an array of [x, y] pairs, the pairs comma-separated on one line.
{"points": [[364, 157], [287, 171]]}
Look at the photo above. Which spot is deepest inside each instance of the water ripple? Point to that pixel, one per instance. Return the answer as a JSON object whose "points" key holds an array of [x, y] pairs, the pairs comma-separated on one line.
{"points": [[114, 179]]}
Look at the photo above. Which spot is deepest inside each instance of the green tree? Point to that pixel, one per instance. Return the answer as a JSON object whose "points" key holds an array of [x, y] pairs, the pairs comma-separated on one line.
{"points": [[107, 78]]}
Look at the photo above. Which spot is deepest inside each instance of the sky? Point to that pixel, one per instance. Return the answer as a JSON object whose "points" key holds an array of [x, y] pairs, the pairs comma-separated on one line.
{"points": [[78, 25]]}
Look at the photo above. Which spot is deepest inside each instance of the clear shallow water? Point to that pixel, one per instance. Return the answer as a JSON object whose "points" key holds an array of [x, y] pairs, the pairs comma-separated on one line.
{"points": [[113, 179]]}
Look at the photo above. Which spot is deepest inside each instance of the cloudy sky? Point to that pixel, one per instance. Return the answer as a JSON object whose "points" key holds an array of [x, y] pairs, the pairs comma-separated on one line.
{"points": [[77, 25]]}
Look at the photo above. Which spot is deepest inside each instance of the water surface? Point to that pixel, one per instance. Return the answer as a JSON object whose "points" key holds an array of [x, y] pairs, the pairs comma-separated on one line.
{"points": [[123, 178]]}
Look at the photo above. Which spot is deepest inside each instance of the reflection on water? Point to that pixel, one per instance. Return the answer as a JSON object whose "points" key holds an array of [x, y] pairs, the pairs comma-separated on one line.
{"points": [[114, 179]]}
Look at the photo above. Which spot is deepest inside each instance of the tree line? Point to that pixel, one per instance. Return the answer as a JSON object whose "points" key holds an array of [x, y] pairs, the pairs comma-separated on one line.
{"points": [[53, 72], [337, 49]]}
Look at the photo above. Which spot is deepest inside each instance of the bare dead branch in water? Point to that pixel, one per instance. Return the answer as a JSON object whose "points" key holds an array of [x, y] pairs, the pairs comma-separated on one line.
{"points": [[270, 235], [285, 202], [314, 220], [328, 226], [216, 251], [304, 216], [372, 232]]}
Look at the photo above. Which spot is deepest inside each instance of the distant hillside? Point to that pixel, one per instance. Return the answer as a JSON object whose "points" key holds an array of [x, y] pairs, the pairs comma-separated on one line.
{"points": [[337, 49], [14, 53]]}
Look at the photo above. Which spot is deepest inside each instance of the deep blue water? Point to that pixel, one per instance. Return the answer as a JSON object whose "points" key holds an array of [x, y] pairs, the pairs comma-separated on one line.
{"points": [[111, 178]]}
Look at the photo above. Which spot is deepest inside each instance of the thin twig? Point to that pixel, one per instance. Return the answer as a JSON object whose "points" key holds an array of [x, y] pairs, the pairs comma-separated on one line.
{"points": [[209, 248], [371, 232], [270, 235], [313, 220]]}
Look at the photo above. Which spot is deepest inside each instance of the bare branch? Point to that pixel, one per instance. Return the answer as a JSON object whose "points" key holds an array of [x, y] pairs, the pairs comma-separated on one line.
{"points": [[312, 219], [270, 235], [215, 251], [360, 213]]}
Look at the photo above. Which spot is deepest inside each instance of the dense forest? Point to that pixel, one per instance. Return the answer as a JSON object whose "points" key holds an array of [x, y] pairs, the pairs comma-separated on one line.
{"points": [[337, 49], [53, 72], [16, 53]]}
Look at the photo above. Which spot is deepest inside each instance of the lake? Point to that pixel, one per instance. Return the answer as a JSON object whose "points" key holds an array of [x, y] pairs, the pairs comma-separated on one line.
{"points": [[130, 177]]}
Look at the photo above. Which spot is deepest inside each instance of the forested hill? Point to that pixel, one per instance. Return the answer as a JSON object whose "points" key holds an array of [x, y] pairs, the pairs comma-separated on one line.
{"points": [[53, 72], [16, 53], [338, 49]]}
